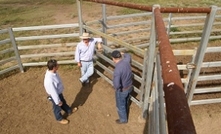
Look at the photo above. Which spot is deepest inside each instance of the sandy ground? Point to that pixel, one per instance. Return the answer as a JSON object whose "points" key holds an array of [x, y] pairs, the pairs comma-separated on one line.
{"points": [[25, 109]]}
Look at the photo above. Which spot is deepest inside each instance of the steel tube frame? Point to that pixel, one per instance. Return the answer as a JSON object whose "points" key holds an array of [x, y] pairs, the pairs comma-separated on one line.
{"points": [[178, 113], [162, 116], [201, 52], [104, 22], [149, 57], [80, 20], [139, 51], [14, 45]]}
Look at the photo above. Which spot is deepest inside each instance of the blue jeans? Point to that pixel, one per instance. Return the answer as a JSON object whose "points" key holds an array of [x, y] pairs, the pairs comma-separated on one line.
{"points": [[87, 69], [57, 109], [122, 103]]}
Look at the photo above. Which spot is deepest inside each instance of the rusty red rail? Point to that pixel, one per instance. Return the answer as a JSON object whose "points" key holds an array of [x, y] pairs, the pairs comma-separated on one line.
{"points": [[178, 112], [149, 8]]}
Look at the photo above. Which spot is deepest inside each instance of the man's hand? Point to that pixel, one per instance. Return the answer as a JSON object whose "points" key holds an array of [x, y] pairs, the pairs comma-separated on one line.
{"points": [[79, 64], [60, 103], [99, 47]]}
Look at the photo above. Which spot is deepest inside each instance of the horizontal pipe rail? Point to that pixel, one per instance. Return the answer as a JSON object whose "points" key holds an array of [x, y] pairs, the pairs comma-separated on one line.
{"points": [[207, 90], [46, 37], [5, 41], [46, 54], [76, 25], [149, 8], [7, 60], [9, 69], [6, 51], [47, 46], [206, 101], [31, 64], [3, 31], [118, 41]]}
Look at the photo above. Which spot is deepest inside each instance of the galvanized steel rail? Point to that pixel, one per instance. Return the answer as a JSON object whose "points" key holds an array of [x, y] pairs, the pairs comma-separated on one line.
{"points": [[178, 112]]}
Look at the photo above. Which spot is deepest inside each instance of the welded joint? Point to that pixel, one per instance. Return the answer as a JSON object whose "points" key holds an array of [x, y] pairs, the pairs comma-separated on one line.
{"points": [[155, 6], [190, 66]]}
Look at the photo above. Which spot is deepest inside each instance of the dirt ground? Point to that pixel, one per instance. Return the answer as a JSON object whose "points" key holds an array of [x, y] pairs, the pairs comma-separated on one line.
{"points": [[24, 108]]}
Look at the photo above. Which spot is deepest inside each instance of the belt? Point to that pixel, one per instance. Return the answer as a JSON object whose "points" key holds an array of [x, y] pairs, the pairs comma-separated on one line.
{"points": [[127, 88], [86, 61]]}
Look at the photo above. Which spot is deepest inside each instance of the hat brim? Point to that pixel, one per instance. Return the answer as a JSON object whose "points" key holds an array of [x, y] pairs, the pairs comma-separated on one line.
{"points": [[84, 37]]}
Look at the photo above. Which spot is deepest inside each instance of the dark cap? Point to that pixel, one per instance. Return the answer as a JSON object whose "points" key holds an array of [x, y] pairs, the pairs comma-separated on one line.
{"points": [[116, 54]]}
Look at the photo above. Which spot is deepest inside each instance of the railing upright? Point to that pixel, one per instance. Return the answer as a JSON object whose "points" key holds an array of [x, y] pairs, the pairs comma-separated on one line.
{"points": [[154, 125], [169, 23], [149, 55], [80, 20], [201, 52], [159, 82], [104, 22], [15, 47]]}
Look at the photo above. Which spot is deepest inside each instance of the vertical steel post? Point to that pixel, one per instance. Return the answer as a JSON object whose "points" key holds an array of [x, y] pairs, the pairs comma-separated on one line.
{"points": [[153, 112], [155, 97], [12, 38], [201, 52], [80, 20], [159, 82], [150, 55], [169, 23], [104, 22], [143, 83]]}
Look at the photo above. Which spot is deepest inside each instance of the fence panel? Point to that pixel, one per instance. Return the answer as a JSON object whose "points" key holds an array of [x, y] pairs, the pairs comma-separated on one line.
{"points": [[9, 58], [37, 44]]}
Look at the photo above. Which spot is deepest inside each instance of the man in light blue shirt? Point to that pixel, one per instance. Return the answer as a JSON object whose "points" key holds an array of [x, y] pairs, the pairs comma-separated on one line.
{"points": [[54, 88], [84, 56]]}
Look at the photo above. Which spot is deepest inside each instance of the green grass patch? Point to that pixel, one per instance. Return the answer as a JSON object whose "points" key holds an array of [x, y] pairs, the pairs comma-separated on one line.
{"points": [[37, 1], [24, 15]]}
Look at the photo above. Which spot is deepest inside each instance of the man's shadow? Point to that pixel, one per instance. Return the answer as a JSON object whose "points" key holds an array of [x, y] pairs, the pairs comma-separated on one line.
{"points": [[84, 93]]}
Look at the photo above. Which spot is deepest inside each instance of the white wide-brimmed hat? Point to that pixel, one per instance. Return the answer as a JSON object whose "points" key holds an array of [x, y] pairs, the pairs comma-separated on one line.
{"points": [[85, 36]]}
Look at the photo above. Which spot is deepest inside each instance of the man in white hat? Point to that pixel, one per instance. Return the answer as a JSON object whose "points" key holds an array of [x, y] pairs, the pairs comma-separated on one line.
{"points": [[84, 56]]}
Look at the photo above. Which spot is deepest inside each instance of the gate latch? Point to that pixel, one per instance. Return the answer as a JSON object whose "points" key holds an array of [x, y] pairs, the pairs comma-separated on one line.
{"points": [[190, 66]]}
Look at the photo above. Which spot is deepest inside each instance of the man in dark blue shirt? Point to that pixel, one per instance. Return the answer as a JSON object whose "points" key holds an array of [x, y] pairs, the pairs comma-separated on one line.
{"points": [[122, 81]]}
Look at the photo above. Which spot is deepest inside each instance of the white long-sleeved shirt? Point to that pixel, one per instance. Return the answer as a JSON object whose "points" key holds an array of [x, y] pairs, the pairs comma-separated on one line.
{"points": [[53, 85], [84, 52]]}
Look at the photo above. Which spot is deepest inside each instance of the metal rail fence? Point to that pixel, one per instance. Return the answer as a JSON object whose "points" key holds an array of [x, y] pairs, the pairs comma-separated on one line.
{"points": [[33, 46], [11, 51], [174, 92]]}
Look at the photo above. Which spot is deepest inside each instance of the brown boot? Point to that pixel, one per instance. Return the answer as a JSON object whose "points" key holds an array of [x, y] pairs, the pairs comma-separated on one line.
{"points": [[63, 121], [73, 110]]}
